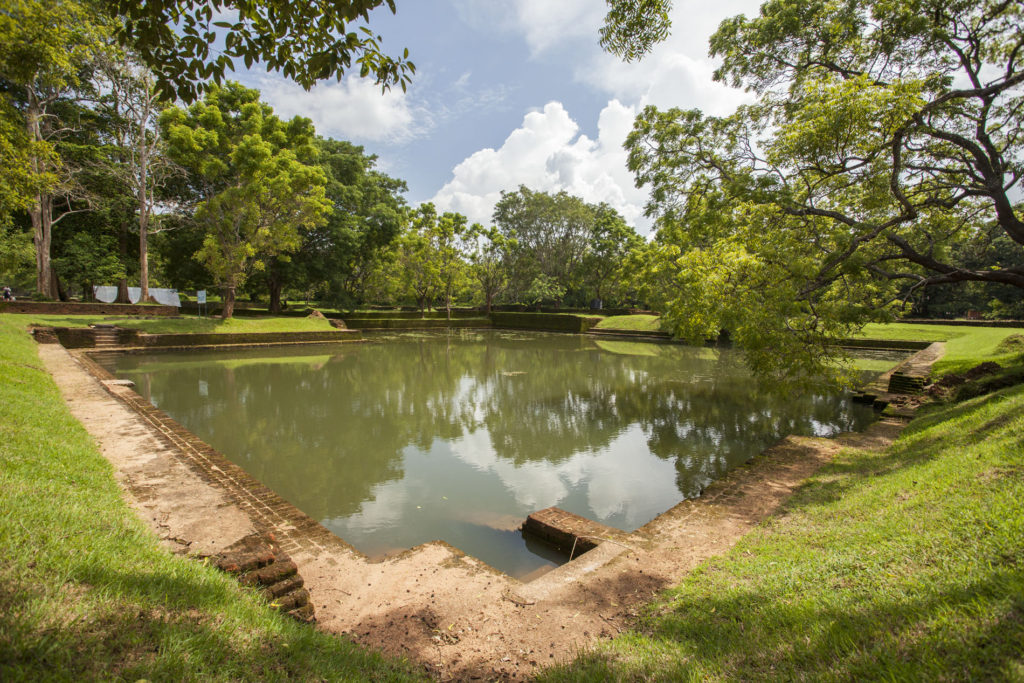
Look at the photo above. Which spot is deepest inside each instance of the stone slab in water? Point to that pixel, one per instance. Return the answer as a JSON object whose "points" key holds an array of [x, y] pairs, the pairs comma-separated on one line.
{"points": [[567, 531]]}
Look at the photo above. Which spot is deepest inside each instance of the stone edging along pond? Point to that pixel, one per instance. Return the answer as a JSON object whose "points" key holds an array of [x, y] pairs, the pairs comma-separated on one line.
{"points": [[450, 611]]}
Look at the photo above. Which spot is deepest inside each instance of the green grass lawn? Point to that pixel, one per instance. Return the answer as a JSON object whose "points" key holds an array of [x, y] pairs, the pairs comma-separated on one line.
{"points": [[186, 323], [905, 564], [86, 593], [634, 323], [966, 346]]}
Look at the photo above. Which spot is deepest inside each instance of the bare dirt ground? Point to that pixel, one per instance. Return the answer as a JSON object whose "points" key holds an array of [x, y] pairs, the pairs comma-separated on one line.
{"points": [[458, 617]]}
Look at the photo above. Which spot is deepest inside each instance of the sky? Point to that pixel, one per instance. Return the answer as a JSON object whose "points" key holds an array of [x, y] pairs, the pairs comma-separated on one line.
{"points": [[513, 92]]}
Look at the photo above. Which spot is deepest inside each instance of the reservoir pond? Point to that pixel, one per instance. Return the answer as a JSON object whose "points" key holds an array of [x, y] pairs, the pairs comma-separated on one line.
{"points": [[459, 435]]}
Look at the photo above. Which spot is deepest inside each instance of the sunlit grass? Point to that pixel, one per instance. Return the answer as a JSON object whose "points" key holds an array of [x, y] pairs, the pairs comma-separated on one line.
{"points": [[186, 324], [86, 593], [634, 323], [905, 564], [966, 346]]}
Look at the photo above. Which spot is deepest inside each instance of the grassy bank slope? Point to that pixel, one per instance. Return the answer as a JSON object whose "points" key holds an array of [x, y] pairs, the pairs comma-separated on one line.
{"points": [[85, 591], [185, 324], [633, 323], [906, 564], [966, 346]]}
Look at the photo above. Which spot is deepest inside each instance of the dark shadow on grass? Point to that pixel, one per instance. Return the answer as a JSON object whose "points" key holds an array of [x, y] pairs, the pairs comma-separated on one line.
{"points": [[133, 631]]}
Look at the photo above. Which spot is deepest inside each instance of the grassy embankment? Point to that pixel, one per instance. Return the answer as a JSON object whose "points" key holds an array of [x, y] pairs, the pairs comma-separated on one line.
{"points": [[186, 324], [86, 592], [904, 564], [966, 346], [630, 323]]}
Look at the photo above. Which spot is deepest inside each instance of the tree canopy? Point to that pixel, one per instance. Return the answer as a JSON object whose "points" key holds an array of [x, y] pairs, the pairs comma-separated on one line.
{"points": [[255, 176], [882, 133], [306, 40]]}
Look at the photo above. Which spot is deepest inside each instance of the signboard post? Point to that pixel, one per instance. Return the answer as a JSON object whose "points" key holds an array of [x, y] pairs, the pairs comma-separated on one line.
{"points": [[201, 300]]}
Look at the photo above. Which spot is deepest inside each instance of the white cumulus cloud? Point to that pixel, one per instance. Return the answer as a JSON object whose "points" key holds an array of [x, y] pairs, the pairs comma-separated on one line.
{"points": [[548, 153], [353, 109]]}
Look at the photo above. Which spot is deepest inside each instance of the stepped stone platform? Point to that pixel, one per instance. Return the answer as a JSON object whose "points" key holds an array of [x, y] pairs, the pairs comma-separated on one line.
{"points": [[907, 378], [257, 560], [570, 533]]}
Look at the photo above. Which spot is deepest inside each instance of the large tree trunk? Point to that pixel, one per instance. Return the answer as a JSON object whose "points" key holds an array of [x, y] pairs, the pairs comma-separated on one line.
{"points": [[42, 235], [487, 298], [144, 259], [122, 248], [229, 302], [276, 284], [56, 286], [144, 205], [41, 211]]}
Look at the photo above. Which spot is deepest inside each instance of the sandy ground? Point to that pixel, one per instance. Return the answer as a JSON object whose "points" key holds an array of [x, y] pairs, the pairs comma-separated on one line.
{"points": [[458, 617]]}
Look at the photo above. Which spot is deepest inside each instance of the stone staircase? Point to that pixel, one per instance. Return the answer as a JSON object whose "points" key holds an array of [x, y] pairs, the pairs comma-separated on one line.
{"points": [[105, 336], [258, 561]]}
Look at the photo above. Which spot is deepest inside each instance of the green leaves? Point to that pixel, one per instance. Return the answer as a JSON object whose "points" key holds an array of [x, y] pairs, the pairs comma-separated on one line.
{"points": [[632, 27], [257, 193], [882, 131], [299, 39]]}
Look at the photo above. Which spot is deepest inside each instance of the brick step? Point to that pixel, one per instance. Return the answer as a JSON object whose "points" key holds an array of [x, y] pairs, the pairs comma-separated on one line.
{"points": [[258, 561], [569, 532]]}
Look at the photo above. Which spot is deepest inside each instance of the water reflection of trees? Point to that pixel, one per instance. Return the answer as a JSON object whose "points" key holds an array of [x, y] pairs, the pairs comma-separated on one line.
{"points": [[329, 436]]}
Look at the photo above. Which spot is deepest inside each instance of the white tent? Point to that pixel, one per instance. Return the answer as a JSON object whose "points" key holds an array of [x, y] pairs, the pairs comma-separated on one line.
{"points": [[167, 297]]}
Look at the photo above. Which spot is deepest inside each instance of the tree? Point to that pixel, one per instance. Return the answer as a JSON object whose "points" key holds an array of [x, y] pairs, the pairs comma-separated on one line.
{"points": [[429, 255], [543, 288], [255, 176], [132, 108], [46, 52], [865, 154], [547, 235], [486, 265], [306, 40], [416, 266], [612, 240], [448, 237], [89, 260], [18, 183]]}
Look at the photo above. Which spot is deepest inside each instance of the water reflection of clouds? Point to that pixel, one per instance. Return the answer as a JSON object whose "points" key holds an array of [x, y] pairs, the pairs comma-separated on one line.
{"points": [[382, 510], [622, 481]]}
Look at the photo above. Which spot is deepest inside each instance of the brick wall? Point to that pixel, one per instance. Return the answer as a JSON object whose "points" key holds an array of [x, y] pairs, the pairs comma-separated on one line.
{"points": [[551, 322], [75, 308]]}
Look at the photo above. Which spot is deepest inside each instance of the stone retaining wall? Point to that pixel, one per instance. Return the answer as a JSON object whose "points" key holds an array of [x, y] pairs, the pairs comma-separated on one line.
{"points": [[211, 339], [75, 308], [85, 337], [897, 345], [964, 323], [414, 323], [567, 531], [549, 322]]}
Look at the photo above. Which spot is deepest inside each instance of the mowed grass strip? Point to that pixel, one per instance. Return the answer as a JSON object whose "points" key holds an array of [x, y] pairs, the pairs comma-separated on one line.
{"points": [[187, 324], [634, 323], [966, 345], [904, 564], [87, 593]]}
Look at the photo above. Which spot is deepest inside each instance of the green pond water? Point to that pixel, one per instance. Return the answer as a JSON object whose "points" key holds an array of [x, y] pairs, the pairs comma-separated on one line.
{"points": [[458, 436]]}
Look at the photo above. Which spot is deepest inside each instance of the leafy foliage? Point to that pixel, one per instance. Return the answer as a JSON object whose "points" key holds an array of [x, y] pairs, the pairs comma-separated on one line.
{"points": [[256, 176], [307, 41], [89, 261], [576, 246], [633, 27], [882, 133]]}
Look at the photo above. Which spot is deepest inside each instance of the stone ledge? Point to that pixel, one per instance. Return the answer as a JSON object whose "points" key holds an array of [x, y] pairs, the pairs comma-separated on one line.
{"points": [[569, 532]]}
